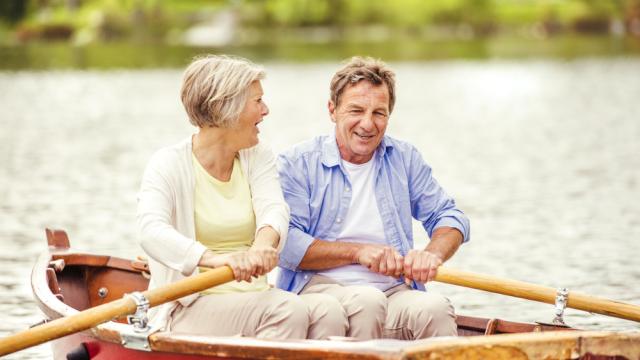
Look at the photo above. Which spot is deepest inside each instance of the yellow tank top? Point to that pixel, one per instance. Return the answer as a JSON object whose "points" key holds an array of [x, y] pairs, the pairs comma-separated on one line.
{"points": [[225, 221]]}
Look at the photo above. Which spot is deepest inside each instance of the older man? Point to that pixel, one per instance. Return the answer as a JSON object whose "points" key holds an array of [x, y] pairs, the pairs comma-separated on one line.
{"points": [[352, 196]]}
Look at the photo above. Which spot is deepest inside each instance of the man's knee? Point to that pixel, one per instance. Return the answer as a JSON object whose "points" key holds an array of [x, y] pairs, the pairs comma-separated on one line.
{"points": [[365, 300], [327, 317], [329, 309], [434, 316], [287, 307]]}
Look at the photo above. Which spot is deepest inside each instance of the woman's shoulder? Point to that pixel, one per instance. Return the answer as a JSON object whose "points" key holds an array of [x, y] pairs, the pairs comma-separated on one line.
{"points": [[169, 156], [257, 152]]}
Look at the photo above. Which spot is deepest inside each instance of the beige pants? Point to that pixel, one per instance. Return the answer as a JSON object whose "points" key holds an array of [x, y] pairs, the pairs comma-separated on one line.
{"points": [[399, 313], [273, 314]]}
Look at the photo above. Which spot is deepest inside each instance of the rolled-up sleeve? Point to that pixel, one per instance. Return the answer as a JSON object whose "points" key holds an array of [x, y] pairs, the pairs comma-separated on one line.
{"points": [[430, 204], [296, 193]]}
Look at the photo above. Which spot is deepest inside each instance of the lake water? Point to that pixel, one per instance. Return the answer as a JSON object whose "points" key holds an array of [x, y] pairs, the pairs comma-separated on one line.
{"points": [[542, 155]]}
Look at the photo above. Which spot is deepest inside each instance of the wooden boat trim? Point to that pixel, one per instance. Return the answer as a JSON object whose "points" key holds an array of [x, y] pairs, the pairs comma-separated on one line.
{"points": [[547, 345], [528, 345]]}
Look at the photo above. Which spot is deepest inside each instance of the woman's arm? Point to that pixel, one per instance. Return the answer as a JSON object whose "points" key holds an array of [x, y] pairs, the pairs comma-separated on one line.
{"points": [[156, 206]]}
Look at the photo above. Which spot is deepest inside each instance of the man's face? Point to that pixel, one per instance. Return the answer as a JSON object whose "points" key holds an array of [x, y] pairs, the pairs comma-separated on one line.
{"points": [[361, 119]]}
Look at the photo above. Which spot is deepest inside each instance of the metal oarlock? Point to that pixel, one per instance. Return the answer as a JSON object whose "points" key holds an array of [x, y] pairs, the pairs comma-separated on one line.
{"points": [[561, 303], [139, 320]]}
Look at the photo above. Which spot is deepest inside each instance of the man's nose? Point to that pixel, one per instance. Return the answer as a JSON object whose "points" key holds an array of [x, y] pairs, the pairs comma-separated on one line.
{"points": [[366, 122]]}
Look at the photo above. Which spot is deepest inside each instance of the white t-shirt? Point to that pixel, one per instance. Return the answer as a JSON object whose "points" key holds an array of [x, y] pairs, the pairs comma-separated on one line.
{"points": [[362, 224]]}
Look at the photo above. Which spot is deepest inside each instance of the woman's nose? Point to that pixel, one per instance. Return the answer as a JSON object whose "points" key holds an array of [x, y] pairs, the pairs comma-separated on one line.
{"points": [[265, 109]]}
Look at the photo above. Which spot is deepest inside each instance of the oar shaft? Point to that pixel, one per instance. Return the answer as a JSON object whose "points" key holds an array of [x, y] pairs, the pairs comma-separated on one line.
{"points": [[97, 315], [539, 293]]}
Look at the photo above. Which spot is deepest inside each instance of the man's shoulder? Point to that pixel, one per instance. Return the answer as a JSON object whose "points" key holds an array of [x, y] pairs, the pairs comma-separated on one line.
{"points": [[303, 150], [399, 147]]}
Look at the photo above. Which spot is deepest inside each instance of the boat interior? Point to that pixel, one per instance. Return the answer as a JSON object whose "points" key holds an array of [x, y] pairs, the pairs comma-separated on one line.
{"points": [[83, 281]]}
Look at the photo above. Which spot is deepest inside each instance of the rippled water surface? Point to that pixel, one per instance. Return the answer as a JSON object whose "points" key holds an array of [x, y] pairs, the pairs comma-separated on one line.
{"points": [[543, 156]]}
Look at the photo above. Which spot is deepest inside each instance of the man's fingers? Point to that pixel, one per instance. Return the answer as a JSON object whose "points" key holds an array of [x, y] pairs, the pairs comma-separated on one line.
{"points": [[408, 266], [382, 264], [417, 269], [399, 260], [375, 263], [433, 271], [391, 263]]}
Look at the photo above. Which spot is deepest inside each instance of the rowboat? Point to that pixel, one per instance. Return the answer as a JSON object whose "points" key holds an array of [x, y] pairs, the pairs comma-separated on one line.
{"points": [[66, 282]]}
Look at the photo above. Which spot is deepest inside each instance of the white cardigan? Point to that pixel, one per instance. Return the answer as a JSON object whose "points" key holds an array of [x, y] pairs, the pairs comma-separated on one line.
{"points": [[166, 213]]}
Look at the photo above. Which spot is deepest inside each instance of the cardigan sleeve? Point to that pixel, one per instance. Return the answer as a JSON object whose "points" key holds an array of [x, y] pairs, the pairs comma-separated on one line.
{"points": [[156, 216], [268, 203]]}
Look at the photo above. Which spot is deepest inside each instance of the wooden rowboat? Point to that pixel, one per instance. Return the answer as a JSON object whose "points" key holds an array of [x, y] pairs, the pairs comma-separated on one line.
{"points": [[65, 282]]}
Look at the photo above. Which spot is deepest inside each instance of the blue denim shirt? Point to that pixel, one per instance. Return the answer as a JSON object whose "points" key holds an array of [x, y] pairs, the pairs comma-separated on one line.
{"points": [[317, 189]]}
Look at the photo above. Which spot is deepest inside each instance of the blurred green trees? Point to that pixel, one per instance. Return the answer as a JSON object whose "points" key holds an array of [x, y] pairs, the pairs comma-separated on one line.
{"points": [[164, 20]]}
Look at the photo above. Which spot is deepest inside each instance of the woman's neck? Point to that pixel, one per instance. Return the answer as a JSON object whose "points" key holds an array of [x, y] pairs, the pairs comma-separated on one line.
{"points": [[215, 152]]}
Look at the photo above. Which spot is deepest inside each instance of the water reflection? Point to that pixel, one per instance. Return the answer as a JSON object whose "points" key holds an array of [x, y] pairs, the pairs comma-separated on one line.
{"points": [[542, 155]]}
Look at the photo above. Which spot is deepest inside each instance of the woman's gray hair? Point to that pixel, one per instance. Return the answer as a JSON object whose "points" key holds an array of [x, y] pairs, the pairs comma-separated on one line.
{"points": [[214, 89]]}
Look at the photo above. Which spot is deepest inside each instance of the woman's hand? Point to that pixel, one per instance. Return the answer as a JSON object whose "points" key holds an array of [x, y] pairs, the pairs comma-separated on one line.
{"points": [[264, 258], [256, 261]]}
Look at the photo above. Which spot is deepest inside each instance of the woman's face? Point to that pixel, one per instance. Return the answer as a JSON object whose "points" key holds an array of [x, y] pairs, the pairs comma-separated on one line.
{"points": [[254, 110]]}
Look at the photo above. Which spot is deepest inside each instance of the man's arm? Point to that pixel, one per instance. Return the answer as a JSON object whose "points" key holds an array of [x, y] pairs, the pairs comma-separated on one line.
{"points": [[446, 225], [322, 255], [445, 241]]}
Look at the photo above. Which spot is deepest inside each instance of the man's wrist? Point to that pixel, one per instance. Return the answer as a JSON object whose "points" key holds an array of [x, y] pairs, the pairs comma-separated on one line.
{"points": [[355, 253], [435, 253]]}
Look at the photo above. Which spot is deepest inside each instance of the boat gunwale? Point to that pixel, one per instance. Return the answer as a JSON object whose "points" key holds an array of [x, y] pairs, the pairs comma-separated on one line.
{"points": [[242, 347]]}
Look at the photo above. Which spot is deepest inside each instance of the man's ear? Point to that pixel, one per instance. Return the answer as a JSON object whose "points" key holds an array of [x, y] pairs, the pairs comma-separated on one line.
{"points": [[332, 110]]}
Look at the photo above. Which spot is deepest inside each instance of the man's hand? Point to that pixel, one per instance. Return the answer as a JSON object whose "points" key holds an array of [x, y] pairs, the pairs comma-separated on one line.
{"points": [[420, 266], [383, 260]]}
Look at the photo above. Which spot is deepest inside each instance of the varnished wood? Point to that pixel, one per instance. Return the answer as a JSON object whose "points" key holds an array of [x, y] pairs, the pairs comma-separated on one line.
{"points": [[549, 345], [100, 314], [539, 293], [57, 238], [84, 274]]}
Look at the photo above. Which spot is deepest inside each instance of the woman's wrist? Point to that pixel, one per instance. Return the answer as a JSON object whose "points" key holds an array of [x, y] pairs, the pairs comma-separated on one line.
{"points": [[266, 237]]}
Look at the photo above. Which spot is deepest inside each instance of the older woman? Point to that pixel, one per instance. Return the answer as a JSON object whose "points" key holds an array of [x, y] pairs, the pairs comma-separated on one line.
{"points": [[214, 199]]}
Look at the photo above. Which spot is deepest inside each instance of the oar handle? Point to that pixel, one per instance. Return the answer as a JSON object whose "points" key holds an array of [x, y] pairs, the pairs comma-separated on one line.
{"points": [[97, 315], [539, 293]]}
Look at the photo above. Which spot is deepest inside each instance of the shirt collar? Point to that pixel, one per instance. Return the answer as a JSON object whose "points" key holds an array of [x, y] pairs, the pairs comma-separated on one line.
{"points": [[331, 154]]}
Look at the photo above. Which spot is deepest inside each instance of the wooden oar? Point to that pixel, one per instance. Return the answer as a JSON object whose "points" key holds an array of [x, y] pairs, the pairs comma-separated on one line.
{"points": [[103, 313], [540, 293], [97, 315]]}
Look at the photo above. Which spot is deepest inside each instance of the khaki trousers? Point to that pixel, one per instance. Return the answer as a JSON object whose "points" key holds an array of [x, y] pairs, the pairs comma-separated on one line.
{"points": [[272, 314], [398, 313]]}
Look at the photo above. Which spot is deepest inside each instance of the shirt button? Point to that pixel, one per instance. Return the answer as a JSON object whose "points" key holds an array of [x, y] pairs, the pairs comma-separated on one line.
{"points": [[348, 189], [338, 220]]}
